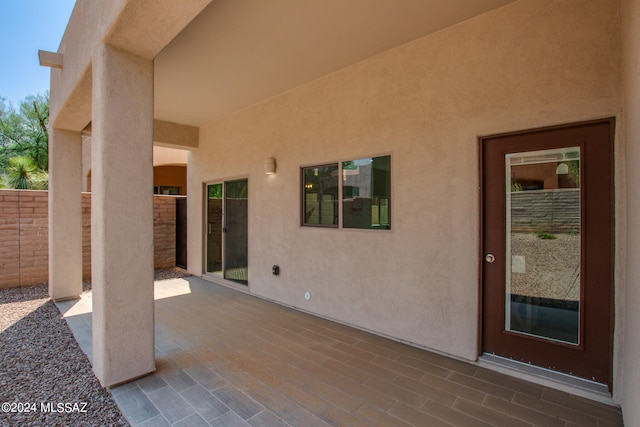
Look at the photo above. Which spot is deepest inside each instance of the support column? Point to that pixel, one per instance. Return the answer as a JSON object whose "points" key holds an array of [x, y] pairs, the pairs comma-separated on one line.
{"points": [[122, 216], [65, 214]]}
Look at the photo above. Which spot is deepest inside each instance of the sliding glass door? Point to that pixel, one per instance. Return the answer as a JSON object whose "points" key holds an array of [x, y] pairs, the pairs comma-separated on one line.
{"points": [[227, 231]]}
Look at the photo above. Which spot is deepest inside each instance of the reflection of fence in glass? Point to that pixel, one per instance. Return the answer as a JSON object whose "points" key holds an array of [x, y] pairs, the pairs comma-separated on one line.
{"points": [[321, 195], [366, 212], [380, 211], [365, 187], [214, 232], [553, 211], [366, 198], [320, 210]]}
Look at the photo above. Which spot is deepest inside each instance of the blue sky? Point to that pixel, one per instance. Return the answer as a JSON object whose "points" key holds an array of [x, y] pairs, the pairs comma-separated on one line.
{"points": [[25, 27]]}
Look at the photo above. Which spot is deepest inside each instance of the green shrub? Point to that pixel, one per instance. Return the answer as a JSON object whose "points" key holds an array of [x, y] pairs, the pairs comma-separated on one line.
{"points": [[545, 236]]}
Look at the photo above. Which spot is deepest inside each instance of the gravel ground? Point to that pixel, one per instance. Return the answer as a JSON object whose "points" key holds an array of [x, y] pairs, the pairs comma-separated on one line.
{"points": [[45, 377], [41, 364], [552, 266]]}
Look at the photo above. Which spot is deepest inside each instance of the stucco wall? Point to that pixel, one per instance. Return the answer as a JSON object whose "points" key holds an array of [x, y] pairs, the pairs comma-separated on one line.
{"points": [[88, 23], [169, 166], [168, 156], [141, 27], [530, 64], [631, 322]]}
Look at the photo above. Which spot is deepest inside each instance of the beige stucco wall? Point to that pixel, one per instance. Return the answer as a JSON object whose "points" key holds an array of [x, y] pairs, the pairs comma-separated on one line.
{"points": [[141, 27], [165, 161], [70, 101], [631, 322], [530, 64], [168, 156]]}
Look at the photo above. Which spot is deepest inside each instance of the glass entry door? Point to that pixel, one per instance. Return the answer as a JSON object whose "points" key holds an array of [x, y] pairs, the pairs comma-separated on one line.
{"points": [[227, 230], [543, 260], [548, 248]]}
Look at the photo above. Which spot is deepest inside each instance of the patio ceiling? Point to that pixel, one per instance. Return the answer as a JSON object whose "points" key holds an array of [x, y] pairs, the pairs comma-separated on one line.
{"points": [[239, 52]]}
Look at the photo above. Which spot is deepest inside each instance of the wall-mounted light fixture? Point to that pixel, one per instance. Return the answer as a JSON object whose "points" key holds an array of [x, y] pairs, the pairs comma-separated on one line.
{"points": [[270, 166], [562, 169]]}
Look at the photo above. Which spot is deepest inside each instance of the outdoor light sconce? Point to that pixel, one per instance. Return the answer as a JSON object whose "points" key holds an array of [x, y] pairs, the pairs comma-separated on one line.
{"points": [[270, 166]]}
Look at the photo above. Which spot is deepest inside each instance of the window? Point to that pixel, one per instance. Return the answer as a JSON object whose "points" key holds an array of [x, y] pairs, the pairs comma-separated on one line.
{"points": [[162, 189], [366, 193], [320, 195], [365, 188]]}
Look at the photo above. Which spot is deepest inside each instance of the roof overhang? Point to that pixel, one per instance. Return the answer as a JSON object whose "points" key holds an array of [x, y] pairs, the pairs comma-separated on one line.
{"points": [[216, 57]]}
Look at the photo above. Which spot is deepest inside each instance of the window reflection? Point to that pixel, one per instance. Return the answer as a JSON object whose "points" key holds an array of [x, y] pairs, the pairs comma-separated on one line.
{"points": [[543, 265], [366, 193], [320, 195]]}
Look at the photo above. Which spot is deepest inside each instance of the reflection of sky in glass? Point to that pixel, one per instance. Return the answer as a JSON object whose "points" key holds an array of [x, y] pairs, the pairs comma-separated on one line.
{"points": [[355, 164]]}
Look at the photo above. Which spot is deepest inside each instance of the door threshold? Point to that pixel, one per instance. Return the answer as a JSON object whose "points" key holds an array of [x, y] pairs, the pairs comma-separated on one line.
{"points": [[546, 377], [218, 280]]}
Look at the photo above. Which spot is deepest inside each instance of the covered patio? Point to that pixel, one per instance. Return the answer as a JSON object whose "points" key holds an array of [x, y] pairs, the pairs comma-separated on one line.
{"points": [[406, 95], [225, 357]]}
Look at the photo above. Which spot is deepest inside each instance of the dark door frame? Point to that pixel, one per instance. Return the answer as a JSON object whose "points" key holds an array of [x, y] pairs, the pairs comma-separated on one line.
{"points": [[181, 232], [527, 137], [223, 227]]}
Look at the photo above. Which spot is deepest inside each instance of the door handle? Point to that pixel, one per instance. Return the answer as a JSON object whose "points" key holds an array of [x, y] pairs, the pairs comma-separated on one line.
{"points": [[489, 258]]}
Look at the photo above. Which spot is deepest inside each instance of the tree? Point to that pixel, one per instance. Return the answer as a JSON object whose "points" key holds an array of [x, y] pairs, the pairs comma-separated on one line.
{"points": [[23, 174], [23, 131], [24, 143]]}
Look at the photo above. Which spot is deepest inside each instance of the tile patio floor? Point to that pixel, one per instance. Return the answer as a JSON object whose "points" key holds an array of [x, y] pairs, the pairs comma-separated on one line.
{"points": [[225, 358]]}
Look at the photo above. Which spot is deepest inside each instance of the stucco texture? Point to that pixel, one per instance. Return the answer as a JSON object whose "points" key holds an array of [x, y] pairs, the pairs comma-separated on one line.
{"points": [[122, 216], [530, 64], [630, 374]]}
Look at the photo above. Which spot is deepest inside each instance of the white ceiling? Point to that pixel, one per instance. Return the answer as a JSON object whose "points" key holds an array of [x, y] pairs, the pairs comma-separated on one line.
{"points": [[239, 52]]}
